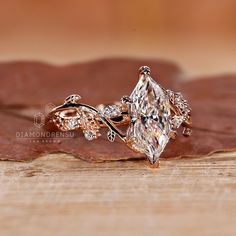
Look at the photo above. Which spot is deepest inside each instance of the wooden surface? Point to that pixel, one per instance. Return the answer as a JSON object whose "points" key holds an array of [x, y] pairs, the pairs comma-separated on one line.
{"points": [[60, 195]]}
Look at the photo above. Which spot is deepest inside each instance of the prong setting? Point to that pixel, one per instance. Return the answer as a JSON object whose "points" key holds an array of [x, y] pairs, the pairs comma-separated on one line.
{"points": [[126, 100], [145, 70]]}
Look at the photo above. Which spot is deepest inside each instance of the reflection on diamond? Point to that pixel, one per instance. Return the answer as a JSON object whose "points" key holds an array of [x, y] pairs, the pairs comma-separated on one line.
{"points": [[72, 123], [177, 121], [111, 111], [90, 135], [150, 127]]}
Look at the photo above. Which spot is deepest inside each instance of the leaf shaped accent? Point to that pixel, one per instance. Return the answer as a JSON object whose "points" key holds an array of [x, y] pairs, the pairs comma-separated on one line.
{"points": [[111, 135]]}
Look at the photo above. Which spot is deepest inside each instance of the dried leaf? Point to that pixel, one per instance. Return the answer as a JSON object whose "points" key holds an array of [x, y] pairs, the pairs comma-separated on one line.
{"points": [[36, 84]]}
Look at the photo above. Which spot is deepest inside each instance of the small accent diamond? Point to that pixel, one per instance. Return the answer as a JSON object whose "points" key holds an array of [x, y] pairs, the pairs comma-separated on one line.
{"points": [[111, 111], [72, 123], [187, 132], [90, 135], [177, 121]]}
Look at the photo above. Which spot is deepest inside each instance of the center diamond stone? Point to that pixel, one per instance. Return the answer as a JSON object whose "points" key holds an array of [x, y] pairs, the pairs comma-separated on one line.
{"points": [[150, 112]]}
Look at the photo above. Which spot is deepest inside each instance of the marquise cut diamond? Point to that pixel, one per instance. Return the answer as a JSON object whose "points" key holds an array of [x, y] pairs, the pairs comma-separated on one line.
{"points": [[150, 114]]}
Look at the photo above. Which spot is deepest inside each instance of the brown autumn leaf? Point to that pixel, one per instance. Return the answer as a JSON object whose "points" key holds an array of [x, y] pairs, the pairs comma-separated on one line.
{"points": [[26, 84], [34, 84]]}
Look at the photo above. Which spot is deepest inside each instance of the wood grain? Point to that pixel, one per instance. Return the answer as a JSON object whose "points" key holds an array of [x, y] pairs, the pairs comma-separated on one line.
{"points": [[61, 195]]}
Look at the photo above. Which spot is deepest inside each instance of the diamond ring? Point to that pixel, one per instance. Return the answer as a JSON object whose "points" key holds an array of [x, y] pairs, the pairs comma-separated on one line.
{"points": [[151, 113]]}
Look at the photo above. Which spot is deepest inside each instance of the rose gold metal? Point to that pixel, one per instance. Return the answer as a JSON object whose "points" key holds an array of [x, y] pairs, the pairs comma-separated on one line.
{"points": [[73, 115]]}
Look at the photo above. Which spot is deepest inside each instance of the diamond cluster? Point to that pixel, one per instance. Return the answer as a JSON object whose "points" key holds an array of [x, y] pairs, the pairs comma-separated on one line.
{"points": [[183, 108], [111, 111]]}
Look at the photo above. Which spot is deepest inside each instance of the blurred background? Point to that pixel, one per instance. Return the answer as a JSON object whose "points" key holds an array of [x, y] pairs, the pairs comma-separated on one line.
{"points": [[198, 35]]}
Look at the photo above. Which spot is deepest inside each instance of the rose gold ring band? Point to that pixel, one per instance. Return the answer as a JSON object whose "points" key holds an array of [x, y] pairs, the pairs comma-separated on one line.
{"points": [[152, 115]]}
